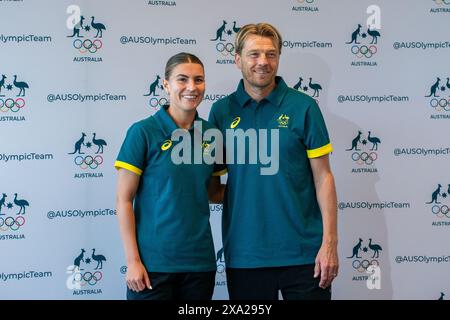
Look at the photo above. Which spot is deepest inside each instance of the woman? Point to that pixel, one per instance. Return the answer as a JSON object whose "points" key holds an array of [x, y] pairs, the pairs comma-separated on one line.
{"points": [[167, 236]]}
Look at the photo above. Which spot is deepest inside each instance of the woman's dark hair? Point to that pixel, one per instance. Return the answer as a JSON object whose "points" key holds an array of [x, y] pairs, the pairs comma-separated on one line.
{"points": [[179, 58]]}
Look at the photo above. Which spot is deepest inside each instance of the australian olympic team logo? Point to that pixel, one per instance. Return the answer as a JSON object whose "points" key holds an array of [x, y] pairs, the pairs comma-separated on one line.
{"points": [[438, 196], [224, 40], [367, 156], [155, 89], [93, 160], [439, 95], [370, 38], [12, 102], [311, 88], [86, 32], [12, 221], [305, 1], [82, 273], [364, 256]]}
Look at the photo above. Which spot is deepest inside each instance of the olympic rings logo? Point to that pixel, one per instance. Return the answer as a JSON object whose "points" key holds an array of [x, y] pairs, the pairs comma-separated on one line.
{"points": [[157, 103], [447, 2], [364, 157], [87, 277], [364, 50], [11, 104], [11, 223], [307, 1], [362, 266], [88, 161], [440, 211], [225, 49], [87, 45], [440, 104], [220, 268]]}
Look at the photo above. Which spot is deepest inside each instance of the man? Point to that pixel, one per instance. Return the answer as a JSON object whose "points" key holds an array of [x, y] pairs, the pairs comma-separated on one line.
{"points": [[279, 230]]}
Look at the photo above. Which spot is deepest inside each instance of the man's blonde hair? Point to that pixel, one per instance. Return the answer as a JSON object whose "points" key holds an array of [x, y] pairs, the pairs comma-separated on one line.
{"points": [[260, 29]]}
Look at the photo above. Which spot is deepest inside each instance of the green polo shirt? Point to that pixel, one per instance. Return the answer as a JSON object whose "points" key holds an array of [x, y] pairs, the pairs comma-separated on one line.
{"points": [[273, 220], [171, 204]]}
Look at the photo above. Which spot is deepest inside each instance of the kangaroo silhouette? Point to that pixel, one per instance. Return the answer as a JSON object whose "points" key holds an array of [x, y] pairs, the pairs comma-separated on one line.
{"points": [[99, 258], [2, 204], [98, 142], [220, 32], [235, 28], [447, 84], [355, 142], [78, 259], [153, 86], [375, 141], [21, 203], [77, 28], [448, 191], [20, 85], [316, 87], [356, 249], [434, 88], [298, 85], [442, 296], [219, 256], [99, 27], [435, 195], [375, 34], [78, 144], [355, 35], [376, 249], [2, 84]]}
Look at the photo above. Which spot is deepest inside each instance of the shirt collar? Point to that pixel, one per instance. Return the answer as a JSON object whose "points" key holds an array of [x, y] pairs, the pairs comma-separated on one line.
{"points": [[275, 97], [166, 123]]}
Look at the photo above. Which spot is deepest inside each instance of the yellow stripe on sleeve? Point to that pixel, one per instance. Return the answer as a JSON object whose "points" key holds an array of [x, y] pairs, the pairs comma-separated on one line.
{"points": [[129, 167], [315, 153]]}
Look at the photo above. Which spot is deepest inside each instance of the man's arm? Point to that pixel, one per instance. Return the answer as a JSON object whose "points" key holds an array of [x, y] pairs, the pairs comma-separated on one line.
{"points": [[327, 263]]}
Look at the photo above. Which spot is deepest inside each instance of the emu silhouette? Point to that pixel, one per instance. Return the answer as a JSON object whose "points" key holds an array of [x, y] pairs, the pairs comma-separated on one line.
{"points": [[100, 143], [21, 203], [98, 26], [20, 85], [99, 258], [375, 141], [375, 34], [376, 249], [316, 87]]}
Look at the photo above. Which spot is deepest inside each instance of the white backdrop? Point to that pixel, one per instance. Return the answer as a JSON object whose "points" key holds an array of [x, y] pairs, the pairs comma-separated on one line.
{"points": [[57, 196]]}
